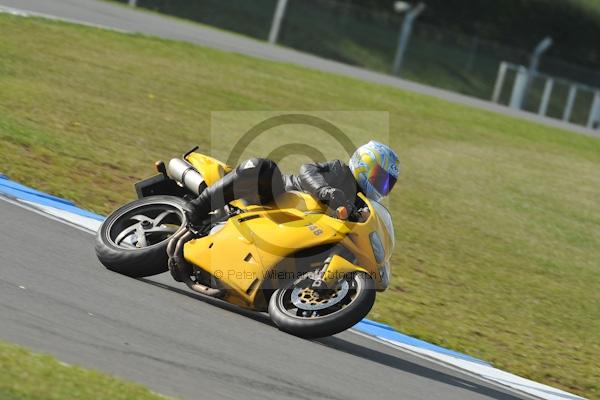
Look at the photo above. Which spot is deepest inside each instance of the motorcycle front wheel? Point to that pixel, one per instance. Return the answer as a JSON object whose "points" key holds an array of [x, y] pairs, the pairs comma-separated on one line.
{"points": [[133, 239], [301, 311]]}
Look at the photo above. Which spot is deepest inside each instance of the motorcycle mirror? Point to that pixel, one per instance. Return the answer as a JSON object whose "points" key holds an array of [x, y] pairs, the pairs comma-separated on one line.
{"points": [[160, 167]]}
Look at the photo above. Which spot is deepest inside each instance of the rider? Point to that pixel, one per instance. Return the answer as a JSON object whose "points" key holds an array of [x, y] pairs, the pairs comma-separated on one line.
{"points": [[372, 170]]}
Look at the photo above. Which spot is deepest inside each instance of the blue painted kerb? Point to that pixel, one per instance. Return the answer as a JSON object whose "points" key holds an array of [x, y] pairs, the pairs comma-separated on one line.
{"points": [[387, 332], [15, 190]]}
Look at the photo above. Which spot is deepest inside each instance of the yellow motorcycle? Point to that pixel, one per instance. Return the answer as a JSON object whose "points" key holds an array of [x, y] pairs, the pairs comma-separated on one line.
{"points": [[315, 273]]}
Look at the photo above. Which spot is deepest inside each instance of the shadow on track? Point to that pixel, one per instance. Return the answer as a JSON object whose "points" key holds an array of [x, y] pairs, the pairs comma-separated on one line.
{"points": [[392, 361], [256, 316], [339, 344]]}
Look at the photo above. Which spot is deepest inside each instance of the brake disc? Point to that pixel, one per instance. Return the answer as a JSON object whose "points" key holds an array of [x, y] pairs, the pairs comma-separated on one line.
{"points": [[306, 298]]}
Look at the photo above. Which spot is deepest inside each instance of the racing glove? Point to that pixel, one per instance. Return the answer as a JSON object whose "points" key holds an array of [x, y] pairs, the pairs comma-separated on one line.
{"points": [[335, 198]]}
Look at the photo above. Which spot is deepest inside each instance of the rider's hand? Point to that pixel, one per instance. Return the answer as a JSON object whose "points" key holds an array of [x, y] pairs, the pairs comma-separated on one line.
{"points": [[333, 197], [336, 199]]}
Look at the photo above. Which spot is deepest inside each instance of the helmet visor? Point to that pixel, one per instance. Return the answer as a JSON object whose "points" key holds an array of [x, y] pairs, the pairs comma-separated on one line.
{"points": [[382, 180]]}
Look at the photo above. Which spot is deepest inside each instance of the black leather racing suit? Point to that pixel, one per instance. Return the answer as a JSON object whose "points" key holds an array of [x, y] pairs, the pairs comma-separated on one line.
{"points": [[259, 181]]}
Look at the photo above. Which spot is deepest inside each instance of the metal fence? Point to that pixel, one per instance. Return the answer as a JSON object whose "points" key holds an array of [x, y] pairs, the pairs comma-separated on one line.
{"points": [[517, 87], [364, 37]]}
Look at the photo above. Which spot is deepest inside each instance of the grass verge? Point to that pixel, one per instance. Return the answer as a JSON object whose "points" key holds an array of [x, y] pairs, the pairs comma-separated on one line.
{"points": [[31, 376], [498, 224]]}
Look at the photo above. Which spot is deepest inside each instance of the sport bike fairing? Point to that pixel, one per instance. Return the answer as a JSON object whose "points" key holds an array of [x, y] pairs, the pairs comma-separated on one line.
{"points": [[249, 248]]}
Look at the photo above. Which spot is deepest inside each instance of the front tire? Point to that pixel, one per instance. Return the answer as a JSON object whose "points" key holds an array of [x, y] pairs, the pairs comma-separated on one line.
{"points": [[133, 239], [297, 311]]}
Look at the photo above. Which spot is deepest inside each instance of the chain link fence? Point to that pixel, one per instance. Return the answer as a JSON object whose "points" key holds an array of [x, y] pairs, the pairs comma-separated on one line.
{"points": [[368, 38]]}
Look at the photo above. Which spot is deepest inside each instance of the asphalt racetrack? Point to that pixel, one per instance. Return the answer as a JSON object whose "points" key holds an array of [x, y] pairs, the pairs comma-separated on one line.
{"points": [[108, 14], [56, 298]]}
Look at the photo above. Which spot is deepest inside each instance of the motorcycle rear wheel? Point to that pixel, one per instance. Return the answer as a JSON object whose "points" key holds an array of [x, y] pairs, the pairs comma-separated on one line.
{"points": [[133, 239], [297, 311]]}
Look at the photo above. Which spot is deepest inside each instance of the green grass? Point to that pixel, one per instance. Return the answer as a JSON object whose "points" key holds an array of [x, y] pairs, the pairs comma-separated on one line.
{"points": [[354, 38], [31, 376], [590, 5], [498, 224], [438, 55]]}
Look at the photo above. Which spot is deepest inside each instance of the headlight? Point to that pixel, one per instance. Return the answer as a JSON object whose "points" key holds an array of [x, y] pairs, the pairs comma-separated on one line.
{"points": [[377, 247]]}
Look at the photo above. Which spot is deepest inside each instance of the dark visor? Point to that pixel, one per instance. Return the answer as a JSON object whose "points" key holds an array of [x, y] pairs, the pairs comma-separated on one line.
{"points": [[382, 181]]}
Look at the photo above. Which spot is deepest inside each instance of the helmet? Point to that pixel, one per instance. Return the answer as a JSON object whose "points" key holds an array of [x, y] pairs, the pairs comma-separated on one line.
{"points": [[375, 167]]}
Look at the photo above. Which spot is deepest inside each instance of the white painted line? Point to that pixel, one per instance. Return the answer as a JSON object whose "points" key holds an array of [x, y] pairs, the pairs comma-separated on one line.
{"points": [[412, 351], [39, 211], [88, 223], [488, 373]]}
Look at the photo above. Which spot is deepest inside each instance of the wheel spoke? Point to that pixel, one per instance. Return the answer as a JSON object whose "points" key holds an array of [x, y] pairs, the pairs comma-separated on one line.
{"points": [[142, 218], [141, 236], [127, 244], [125, 233], [162, 229], [157, 221], [146, 225]]}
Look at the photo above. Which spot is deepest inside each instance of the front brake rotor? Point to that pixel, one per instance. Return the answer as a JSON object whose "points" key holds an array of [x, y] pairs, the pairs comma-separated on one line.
{"points": [[307, 298]]}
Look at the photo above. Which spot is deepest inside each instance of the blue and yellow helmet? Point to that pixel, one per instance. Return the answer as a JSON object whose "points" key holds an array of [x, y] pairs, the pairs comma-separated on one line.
{"points": [[375, 167]]}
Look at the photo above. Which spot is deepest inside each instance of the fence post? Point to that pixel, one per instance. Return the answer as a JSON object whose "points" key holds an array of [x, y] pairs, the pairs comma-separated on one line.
{"points": [[277, 18], [594, 117], [405, 32], [570, 102], [499, 82], [548, 86], [534, 62], [516, 97]]}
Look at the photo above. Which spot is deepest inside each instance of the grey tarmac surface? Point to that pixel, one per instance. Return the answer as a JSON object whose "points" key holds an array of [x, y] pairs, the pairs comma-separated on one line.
{"points": [[115, 16], [56, 298]]}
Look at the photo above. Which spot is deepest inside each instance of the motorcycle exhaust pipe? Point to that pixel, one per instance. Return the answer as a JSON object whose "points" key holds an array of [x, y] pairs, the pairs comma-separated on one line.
{"points": [[179, 260], [184, 173], [173, 242]]}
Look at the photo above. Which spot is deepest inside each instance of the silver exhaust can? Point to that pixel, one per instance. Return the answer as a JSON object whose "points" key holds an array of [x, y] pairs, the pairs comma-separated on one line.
{"points": [[186, 175]]}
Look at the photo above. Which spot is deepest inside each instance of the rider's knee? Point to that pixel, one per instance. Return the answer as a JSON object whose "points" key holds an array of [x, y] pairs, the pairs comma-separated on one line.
{"points": [[261, 177], [257, 167]]}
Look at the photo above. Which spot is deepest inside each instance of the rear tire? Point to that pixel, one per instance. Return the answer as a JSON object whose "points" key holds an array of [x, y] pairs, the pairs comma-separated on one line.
{"points": [[290, 319], [120, 246]]}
